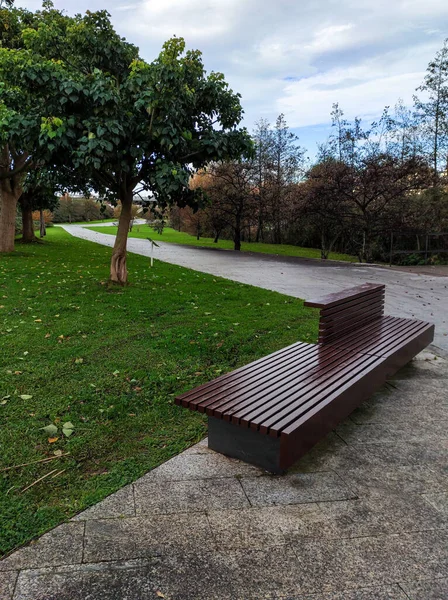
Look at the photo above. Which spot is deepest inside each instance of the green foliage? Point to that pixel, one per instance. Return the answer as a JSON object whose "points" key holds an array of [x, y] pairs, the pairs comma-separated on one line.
{"points": [[116, 119], [137, 354]]}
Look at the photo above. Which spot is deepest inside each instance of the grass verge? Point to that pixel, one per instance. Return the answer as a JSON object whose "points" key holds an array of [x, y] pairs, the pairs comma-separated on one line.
{"points": [[178, 237], [110, 361]]}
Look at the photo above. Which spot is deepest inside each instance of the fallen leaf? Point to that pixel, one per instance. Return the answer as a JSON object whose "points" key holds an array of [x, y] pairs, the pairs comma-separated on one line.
{"points": [[160, 595], [50, 429], [68, 429], [57, 452], [25, 397], [52, 440], [48, 335]]}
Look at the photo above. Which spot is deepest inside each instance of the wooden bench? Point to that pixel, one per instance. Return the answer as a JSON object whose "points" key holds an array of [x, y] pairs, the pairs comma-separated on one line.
{"points": [[272, 411]]}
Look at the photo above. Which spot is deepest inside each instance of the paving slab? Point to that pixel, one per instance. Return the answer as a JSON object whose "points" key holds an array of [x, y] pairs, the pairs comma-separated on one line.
{"points": [[392, 592], [7, 584], [88, 582], [263, 527], [61, 546], [439, 501], [409, 479], [296, 488], [169, 497], [119, 504], [335, 565], [202, 465], [411, 431], [434, 589], [142, 537]]}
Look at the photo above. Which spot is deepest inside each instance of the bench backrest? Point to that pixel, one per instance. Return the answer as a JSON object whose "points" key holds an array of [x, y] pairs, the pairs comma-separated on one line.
{"points": [[346, 311]]}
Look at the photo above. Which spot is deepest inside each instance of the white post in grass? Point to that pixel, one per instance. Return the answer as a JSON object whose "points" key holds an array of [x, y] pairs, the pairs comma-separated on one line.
{"points": [[152, 250]]}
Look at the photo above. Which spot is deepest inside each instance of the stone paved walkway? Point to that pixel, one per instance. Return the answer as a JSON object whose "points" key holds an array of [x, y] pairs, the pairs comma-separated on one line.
{"points": [[362, 517], [422, 296]]}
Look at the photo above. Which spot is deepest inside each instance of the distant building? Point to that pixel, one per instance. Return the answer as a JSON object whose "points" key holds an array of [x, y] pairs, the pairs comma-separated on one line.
{"points": [[143, 199]]}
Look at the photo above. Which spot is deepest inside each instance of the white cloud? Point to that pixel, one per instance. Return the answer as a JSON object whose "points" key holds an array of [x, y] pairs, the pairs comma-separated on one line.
{"points": [[291, 56]]}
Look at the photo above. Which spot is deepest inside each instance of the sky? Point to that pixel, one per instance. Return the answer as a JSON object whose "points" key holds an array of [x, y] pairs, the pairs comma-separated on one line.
{"points": [[295, 57]]}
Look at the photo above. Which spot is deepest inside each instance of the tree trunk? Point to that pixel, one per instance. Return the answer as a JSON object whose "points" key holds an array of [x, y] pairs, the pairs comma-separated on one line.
{"points": [[237, 234], [323, 247], [28, 234], [118, 270], [8, 209], [43, 229], [216, 239]]}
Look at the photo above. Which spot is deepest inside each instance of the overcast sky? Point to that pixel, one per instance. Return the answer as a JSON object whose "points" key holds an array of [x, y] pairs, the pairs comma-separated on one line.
{"points": [[294, 56]]}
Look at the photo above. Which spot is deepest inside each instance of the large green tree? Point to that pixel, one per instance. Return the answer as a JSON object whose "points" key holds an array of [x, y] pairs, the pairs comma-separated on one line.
{"points": [[120, 123], [129, 125], [17, 114]]}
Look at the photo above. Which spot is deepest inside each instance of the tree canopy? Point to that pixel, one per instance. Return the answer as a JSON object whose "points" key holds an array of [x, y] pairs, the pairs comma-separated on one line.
{"points": [[118, 122]]}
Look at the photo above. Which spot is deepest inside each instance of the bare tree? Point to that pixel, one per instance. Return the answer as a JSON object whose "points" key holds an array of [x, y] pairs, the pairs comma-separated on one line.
{"points": [[433, 113]]}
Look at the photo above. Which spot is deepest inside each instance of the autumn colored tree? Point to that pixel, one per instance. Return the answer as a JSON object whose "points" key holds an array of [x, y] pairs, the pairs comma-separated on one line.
{"points": [[230, 187]]}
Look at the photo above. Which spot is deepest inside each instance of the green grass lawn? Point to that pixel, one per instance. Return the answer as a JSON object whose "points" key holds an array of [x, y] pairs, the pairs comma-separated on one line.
{"points": [[110, 361], [173, 236]]}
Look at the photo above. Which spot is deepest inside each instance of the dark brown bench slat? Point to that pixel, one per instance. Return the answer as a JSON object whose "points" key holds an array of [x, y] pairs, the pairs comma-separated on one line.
{"points": [[263, 404], [377, 343], [231, 406], [370, 298], [345, 295], [239, 386], [341, 327], [261, 363], [352, 370], [393, 326], [351, 312], [346, 311], [272, 411]]}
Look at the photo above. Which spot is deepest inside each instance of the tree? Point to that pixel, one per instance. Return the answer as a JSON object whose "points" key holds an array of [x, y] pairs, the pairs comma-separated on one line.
{"points": [[26, 101], [287, 166], [263, 147], [39, 194], [433, 113], [324, 201], [121, 123], [139, 125], [375, 177], [230, 187]]}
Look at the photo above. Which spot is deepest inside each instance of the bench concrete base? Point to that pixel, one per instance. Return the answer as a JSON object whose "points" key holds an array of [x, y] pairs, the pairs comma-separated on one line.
{"points": [[245, 444]]}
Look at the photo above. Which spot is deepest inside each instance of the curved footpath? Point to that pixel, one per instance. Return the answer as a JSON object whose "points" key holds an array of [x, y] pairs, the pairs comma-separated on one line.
{"points": [[415, 295]]}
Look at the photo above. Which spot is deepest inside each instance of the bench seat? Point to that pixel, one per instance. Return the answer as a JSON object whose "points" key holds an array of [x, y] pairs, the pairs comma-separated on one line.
{"points": [[273, 410]]}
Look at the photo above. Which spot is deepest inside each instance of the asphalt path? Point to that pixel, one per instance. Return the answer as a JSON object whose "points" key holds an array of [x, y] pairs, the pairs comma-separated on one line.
{"points": [[408, 294]]}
